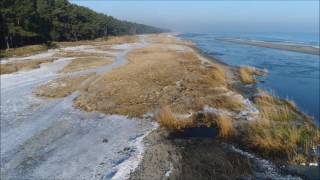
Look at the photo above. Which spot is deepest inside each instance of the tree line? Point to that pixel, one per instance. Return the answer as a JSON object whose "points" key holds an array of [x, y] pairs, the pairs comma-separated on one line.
{"points": [[24, 22]]}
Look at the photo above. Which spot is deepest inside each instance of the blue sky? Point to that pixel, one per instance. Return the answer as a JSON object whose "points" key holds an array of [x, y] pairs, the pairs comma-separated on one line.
{"points": [[215, 16]]}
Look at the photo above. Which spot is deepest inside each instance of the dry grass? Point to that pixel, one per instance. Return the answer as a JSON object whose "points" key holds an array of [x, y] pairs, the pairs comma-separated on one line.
{"points": [[121, 39], [23, 51], [168, 120], [225, 125], [61, 87], [156, 76], [84, 63], [227, 102], [281, 129], [218, 73], [105, 41], [12, 67], [247, 74], [283, 139], [275, 109]]}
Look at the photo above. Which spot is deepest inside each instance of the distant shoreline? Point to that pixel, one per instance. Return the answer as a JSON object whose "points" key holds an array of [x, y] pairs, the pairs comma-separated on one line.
{"points": [[275, 45]]}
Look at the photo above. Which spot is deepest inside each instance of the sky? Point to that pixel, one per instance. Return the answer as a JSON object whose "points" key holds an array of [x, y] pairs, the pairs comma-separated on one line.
{"points": [[214, 16]]}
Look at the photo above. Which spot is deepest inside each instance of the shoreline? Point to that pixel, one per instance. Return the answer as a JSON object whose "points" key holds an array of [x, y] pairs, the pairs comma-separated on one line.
{"points": [[168, 145], [184, 75], [273, 45]]}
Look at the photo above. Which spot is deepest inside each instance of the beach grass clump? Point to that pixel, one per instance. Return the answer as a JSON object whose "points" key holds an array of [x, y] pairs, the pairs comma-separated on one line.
{"points": [[168, 120], [218, 74], [281, 129], [222, 121], [279, 138], [275, 109], [228, 102], [225, 125], [247, 74]]}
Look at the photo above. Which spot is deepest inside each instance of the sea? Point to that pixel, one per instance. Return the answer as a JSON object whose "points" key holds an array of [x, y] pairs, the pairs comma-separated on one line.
{"points": [[292, 75]]}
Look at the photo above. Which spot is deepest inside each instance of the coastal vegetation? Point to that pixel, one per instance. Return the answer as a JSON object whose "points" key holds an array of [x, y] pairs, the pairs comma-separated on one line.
{"points": [[12, 67], [282, 129], [86, 62], [24, 50], [248, 74], [168, 120], [26, 22], [171, 80]]}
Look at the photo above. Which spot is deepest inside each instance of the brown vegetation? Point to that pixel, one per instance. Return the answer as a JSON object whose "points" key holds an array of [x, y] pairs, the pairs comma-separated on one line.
{"points": [[158, 75], [225, 125], [12, 67], [23, 51], [281, 129], [121, 39], [168, 120], [247, 74], [86, 63], [102, 41]]}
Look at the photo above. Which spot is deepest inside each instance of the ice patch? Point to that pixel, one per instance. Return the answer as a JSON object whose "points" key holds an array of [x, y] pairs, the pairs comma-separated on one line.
{"points": [[124, 169], [168, 173], [249, 113], [125, 46]]}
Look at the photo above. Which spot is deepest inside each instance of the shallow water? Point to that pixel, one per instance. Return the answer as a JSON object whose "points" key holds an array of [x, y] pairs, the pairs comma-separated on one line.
{"points": [[292, 75], [196, 133]]}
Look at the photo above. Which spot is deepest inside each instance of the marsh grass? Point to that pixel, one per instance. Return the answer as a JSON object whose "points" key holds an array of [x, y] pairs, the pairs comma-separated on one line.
{"points": [[121, 39], [218, 74], [275, 109], [22, 51], [247, 74], [158, 76], [225, 125], [168, 120], [222, 121], [226, 102], [280, 129], [280, 138], [84, 63]]}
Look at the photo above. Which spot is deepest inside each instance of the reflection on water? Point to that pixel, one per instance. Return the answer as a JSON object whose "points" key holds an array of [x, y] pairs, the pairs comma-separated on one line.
{"points": [[292, 75]]}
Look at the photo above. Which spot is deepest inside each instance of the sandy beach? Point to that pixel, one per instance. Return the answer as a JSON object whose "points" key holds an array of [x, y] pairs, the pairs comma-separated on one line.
{"points": [[289, 47]]}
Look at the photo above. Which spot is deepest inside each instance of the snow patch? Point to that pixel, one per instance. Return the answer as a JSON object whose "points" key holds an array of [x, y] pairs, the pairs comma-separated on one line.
{"points": [[168, 173], [124, 169], [42, 55]]}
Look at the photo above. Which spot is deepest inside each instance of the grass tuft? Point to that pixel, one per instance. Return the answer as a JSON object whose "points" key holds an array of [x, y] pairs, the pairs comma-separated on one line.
{"points": [[218, 74], [167, 120], [225, 125], [247, 74], [22, 51]]}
